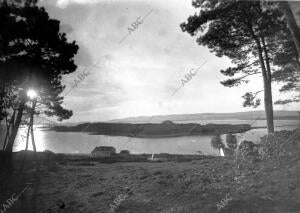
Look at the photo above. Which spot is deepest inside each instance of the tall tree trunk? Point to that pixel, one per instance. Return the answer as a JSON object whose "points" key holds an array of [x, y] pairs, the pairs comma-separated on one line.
{"points": [[268, 87], [268, 106], [9, 147], [11, 121], [292, 24], [27, 137], [267, 90], [267, 59], [2, 95], [32, 140], [31, 125]]}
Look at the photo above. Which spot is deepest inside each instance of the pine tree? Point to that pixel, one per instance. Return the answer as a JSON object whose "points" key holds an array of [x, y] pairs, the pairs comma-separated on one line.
{"points": [[34, 54], [245, 33]]}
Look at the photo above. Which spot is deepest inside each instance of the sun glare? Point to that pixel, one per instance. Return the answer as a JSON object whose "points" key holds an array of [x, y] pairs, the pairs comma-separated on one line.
{"points": [[31, 94]]}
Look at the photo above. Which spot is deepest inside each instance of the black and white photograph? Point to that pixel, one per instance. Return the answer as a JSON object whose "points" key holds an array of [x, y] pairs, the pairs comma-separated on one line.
{"points": [[149, 106]]}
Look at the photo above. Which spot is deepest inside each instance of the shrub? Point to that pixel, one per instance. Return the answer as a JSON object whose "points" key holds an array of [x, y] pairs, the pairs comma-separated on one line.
{"points": [[231, 141], [216, 142], [279, 144], [246, 149]]}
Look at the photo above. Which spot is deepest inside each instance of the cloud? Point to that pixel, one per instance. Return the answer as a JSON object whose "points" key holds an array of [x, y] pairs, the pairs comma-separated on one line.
{"points": [[65, 3], [139, 76]]}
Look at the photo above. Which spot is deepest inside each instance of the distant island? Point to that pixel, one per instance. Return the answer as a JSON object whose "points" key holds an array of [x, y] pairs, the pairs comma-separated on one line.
{"points": [[251, 115], [153, 130]]}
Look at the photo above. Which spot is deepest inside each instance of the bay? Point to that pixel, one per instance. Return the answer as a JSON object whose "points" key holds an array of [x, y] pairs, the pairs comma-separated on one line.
{"points": [[81, 142]]}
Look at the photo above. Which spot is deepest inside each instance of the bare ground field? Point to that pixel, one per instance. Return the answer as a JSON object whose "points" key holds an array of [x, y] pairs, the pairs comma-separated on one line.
{"points": [[204, 186]]}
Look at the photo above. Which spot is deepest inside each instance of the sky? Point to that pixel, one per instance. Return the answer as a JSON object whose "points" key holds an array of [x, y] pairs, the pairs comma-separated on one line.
{"points": [[137, 74]]}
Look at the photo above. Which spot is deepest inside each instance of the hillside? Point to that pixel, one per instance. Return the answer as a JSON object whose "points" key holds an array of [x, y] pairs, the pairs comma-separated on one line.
{"points": [[251, 115]]}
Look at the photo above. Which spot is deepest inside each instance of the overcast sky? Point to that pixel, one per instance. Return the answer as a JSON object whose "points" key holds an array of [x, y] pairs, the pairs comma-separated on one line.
{"points": [[139, 75]]}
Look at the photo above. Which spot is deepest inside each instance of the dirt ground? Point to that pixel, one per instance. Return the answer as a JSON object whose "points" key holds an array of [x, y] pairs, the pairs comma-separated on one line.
{"points": [[204, 186]]}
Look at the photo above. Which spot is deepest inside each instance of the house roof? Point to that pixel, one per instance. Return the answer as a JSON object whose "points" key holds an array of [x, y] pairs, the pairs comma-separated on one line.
{"points": [[104, 148]]}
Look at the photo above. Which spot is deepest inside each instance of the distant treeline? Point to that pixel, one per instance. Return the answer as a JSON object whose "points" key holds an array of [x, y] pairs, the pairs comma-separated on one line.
{"points": [[252, 115], [165, 129]]}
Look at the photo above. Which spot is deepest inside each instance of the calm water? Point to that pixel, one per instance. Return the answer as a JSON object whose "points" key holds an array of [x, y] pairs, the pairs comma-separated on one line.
{"points": [[77, 142]]}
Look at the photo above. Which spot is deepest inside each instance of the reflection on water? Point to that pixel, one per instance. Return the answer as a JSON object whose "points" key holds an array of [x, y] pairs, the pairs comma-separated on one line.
{"points": [[20, 143], [77, 142]]}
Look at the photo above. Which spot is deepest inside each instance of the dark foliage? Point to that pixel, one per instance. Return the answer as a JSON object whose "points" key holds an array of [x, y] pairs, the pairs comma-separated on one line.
{"points": [[35, 55]]}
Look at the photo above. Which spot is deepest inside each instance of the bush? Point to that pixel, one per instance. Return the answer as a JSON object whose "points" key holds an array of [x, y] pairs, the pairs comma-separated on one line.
{"points": [[247, 148], [228, 152], [231, 141], [216, 142], [279, 144]]}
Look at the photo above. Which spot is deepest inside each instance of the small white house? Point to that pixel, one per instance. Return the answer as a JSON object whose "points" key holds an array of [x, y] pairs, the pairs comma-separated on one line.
{"points": [[103, 152]]}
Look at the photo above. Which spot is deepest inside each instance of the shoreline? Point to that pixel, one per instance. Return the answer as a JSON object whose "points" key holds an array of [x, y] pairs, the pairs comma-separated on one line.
{"points": [[115, 158]]}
